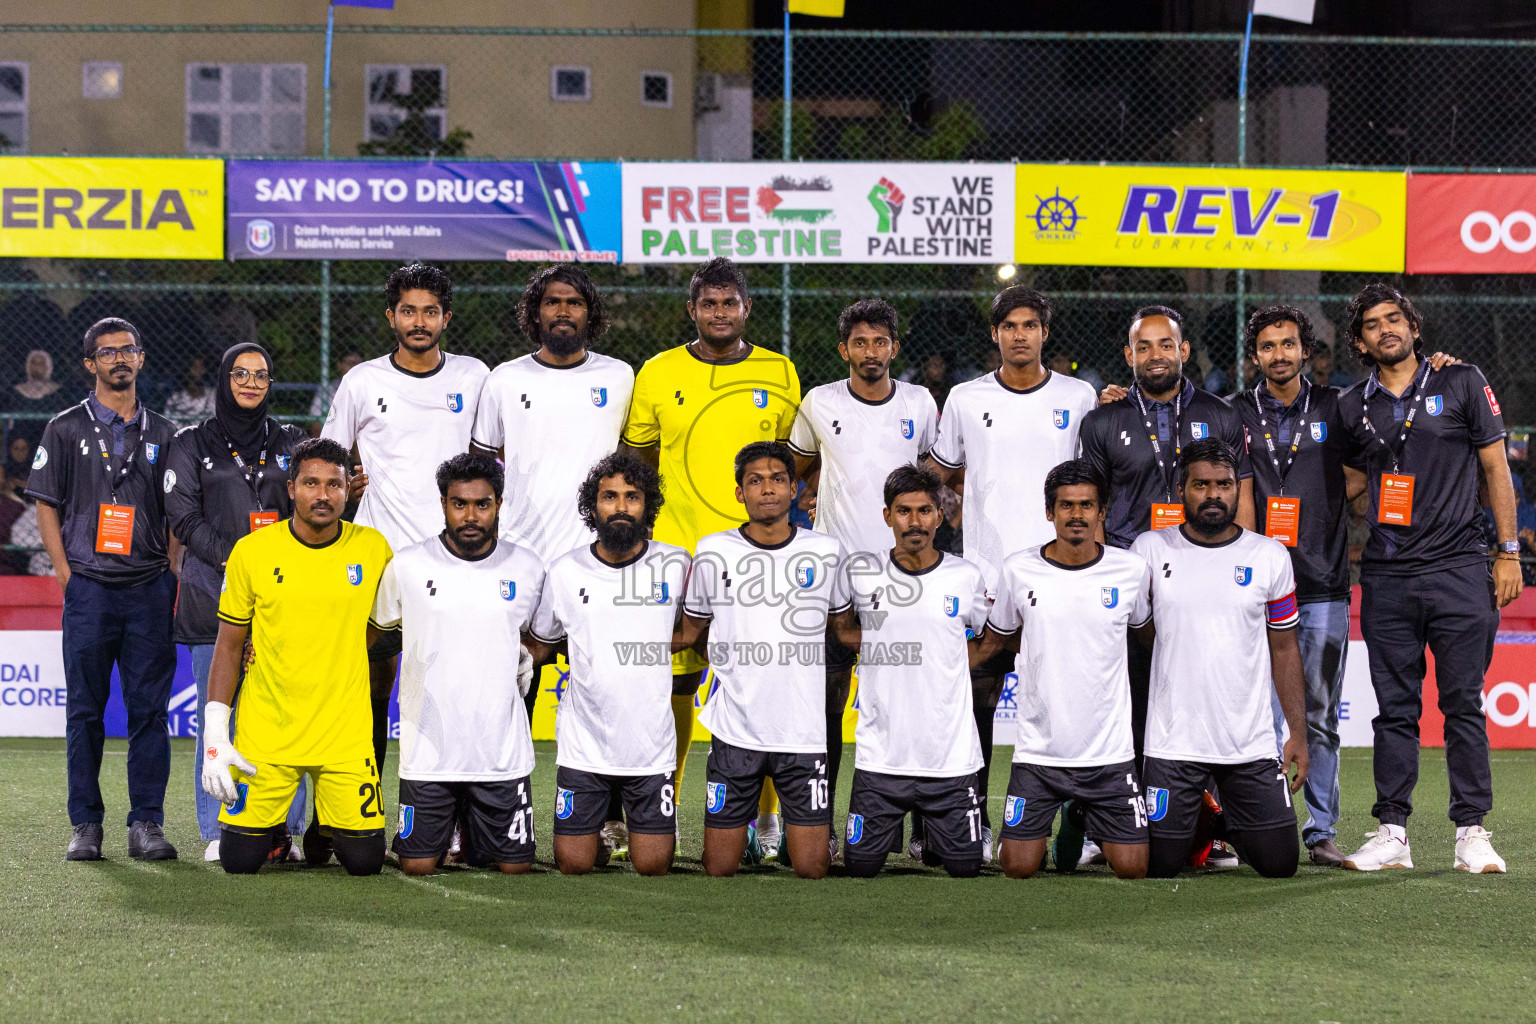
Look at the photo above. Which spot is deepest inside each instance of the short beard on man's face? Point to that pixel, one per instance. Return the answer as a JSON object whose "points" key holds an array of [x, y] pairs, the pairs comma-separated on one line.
{"points": [[563, 345], [618, 533]]}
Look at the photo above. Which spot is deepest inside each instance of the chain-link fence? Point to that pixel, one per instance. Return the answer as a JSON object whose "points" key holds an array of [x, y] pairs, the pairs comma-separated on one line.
{"points": [[258, 90]]}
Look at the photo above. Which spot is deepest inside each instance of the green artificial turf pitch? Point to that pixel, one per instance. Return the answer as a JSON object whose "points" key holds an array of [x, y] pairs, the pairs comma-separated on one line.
{"points": [[180, 941]]}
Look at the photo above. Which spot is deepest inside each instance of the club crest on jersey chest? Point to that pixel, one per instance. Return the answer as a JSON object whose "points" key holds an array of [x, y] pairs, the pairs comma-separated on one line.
{"points": [[456, 402], [1109, 596], [508, 589], [1242, 574], [599, 397], [1319, 431], [805, 576], [1434, 405], [1061, 417], [760, 397], [906, 429], [1199, 431]]}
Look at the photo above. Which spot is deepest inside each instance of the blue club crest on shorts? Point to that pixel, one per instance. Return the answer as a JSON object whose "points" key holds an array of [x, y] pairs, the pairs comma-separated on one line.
{"points": [[906, 429], [760, 397], [951, 605], [407, 821], [456, 402], [1061, 417], [660, 593], [1434, 405], [1243, 574], [599, 397], [354, 574], [152, 451], [282, 463], [1109, 596], [805, 575], [1157, 803], [716, 802], [508, 589], [1199, 431], [855, 829], [1013, 811], [565, 803], [239, 804], [1319, 431]]}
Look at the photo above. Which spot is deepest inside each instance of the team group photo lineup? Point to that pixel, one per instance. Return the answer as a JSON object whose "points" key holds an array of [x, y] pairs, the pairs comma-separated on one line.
{"points": [[1156, 576]]}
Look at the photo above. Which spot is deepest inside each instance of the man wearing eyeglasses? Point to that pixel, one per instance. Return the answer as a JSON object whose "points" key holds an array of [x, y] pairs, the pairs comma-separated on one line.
{"points": [[98, 477]]}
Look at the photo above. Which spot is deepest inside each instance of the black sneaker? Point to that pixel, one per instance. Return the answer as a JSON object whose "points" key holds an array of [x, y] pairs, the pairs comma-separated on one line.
{"points": [[85, 844], [146, 841], [317, 845]]}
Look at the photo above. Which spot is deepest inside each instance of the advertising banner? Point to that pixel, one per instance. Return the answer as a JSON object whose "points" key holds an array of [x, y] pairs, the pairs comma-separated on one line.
{"points": [[305, 210], [112, 208], [1471, 223], [1209, 217], [818, 212]]}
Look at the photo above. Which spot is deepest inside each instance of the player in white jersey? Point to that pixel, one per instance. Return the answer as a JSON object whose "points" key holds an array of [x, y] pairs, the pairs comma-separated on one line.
{"points": [[917, 744], [760, 601], [616, 602], [552, 413], [1224, 609], [1005, 431], [1067, 605], [465, 748], [851, 434], [403, 414]]}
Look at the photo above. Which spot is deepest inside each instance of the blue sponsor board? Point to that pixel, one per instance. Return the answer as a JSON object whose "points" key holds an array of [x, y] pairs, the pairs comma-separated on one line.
{"points": [[402, 210]]}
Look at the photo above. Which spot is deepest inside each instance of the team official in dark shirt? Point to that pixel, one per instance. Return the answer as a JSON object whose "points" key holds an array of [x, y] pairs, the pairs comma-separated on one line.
{"points": [[226, 477], [97, 477], [1425, 575]]}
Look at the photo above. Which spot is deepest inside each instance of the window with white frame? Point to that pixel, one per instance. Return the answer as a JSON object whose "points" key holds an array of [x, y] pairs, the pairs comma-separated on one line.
{"points": [[655, 88], [13, 107], [570, 84], [396, 91], [101, 80], [245, 108]]}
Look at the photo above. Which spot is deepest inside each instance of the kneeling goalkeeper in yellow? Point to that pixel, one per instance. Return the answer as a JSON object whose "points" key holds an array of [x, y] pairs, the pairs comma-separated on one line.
{"points": [[302, 590]]}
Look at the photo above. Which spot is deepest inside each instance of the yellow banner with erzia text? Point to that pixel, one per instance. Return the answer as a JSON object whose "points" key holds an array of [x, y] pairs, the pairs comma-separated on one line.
{"points": [[1260, 219], [111, 208]]}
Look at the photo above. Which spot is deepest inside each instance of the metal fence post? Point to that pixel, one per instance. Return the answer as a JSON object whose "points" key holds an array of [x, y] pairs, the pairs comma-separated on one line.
{"points": [[325, 265], [788, 132], [1242, 161]]}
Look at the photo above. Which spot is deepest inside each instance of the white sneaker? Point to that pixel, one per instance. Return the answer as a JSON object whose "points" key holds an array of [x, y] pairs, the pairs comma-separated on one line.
{"points": [[915, 850], [211, 852], [614, 839], [1474, 853], [1091, 854], [1384, 850], [769, 835], [295, 852], [455, 847], [834, 848], [986, 845]]}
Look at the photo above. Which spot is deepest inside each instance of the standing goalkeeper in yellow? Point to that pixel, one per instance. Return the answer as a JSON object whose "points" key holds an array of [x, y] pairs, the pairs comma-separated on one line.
{"points": [[694, 408], [302, 590]]}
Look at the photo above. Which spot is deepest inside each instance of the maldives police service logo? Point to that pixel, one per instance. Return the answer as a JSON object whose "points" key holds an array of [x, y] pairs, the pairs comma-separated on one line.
{"points": [[1199, 431], [151, 452], [760, 397], [260, 237], [716, 802], [1157, 803], [565, 803], [1319, 431], [282, 462], [805, 575], [906, 429], [41, 458], [1243, 574], [1434, 405], [659, 593], [407, 821], [1061, 417], [456, 402], [1013, 811], [599, 397], [508, 589], [1109, 596], [951, 605], [354, 574], [855, 829]]}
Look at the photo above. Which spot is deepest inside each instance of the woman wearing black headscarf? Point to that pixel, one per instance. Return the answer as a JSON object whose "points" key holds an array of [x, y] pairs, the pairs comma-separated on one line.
{"points": [[225, 478]]}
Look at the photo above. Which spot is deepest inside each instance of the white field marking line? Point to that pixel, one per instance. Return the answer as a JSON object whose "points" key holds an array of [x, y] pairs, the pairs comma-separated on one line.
{"points": [[447, 892]]}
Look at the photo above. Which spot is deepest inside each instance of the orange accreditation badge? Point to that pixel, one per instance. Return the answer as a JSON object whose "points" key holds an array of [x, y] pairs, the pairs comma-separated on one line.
{"points": [[1396, 505], [1282, 520], [260, 519], [114, 530], [1166, 514]]}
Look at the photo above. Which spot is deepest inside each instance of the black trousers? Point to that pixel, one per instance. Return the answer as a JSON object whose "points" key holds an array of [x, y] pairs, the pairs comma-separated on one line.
{"points": [[1454, 613]]}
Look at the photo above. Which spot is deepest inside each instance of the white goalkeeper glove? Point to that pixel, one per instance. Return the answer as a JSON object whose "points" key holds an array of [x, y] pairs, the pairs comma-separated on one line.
{"points": [[524, 670], [219, 754]]}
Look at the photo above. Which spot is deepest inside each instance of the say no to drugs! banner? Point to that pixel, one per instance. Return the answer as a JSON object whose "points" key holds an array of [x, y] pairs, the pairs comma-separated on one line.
{"points": [[418, 210]]}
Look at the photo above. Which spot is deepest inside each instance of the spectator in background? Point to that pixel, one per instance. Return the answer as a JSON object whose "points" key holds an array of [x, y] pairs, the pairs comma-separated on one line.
{"points": [[1322, 369], [194, 403], [1064, 363], [323, 398], [18, 463], [37, 394], [934, 372], [12, 508], [1525, 524]]}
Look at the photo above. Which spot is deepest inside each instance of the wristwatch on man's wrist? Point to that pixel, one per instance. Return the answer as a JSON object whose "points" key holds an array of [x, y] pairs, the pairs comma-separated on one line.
{"points": [[1509, 547]]}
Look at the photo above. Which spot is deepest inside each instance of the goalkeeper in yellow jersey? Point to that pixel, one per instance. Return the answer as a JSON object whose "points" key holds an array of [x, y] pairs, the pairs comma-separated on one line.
{"points": [[302, 591], [694, 407]]}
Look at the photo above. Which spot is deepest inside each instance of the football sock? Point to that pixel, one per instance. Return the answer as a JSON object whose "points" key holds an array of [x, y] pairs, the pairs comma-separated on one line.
{"points": [[682, 717], [361, 853], [834, 759], [984, 732], [1068, 845], [768, 803]]}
